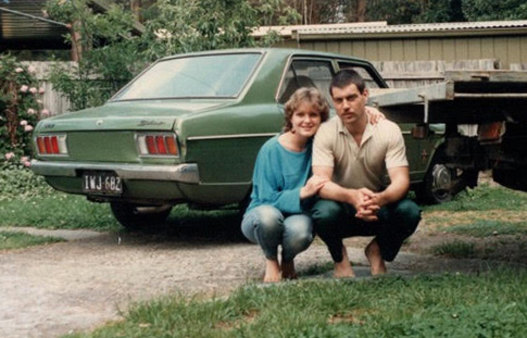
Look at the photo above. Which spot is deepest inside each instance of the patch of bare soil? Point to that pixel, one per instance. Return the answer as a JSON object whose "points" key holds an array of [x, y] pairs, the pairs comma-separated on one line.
{"points": [[498, 247]]}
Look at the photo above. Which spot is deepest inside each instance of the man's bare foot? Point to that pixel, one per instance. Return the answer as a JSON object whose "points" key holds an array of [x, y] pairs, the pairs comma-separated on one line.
{"points": [[272, 271], [373, 253], [288, 270], [343, 268]]}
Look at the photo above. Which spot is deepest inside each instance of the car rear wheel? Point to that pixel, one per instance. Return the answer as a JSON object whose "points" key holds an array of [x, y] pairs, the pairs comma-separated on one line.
{"points": [[133, 216]]}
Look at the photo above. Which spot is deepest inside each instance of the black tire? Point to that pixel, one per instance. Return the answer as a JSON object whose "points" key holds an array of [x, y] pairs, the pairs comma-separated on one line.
{"points": [[134, 217], [442, 183], [438, 184]]}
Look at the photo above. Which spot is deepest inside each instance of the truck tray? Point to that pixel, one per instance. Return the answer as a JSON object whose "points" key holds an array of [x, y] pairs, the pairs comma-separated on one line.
{"points": [[464, 97]]}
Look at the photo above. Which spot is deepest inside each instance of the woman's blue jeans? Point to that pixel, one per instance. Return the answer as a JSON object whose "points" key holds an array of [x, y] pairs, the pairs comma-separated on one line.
{"points": [[268, 227]]}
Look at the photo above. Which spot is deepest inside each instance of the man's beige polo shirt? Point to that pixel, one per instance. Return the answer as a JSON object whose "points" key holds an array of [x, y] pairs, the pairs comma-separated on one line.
{"points": [[382, 147]]}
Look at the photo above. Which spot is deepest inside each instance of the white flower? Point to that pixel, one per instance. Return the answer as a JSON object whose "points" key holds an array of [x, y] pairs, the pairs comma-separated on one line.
{"points": [[23, 123], [31, 69], [26, 164], [31, 111], [9, 155], [41, 90], [19, 70], [33, 90], [24, 159], [24, 88], [163, 34], [28, 128], [44, 112]]}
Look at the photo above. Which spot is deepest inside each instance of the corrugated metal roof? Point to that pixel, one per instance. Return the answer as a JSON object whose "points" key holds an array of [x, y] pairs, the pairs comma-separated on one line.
{"points": [[288, 30], [383, 28], [429, 27], [15, 26]]}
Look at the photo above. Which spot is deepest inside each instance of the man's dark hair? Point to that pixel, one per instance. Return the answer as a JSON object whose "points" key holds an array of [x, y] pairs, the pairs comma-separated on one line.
{"points": [[344, 78]]}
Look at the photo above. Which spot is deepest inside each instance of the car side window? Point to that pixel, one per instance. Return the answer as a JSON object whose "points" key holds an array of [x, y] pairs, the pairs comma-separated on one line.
{"points": [[306, 73], [370, 81]]}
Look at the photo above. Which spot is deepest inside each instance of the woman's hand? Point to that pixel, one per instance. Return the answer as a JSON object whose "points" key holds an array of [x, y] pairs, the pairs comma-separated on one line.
{"points": [[374, 115], [312, 187]]}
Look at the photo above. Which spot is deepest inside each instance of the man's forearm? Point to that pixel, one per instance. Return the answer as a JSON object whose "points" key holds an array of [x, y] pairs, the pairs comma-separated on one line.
{"points": [[333, 191], [398, 188], [392, 194]]}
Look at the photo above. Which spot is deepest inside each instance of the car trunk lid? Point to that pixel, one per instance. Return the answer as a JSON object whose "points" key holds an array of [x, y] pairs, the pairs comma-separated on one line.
{"points": [[129, 115]]}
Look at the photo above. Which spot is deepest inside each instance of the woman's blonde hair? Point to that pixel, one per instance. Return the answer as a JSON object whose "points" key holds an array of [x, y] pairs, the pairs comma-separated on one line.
{"points": [[310, 95]]}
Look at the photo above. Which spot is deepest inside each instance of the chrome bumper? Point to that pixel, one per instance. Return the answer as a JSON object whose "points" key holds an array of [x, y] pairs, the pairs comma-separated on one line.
{"points": [[186, 172]]}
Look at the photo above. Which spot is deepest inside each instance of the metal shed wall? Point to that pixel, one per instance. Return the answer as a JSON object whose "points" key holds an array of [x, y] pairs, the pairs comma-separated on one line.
{"points": [[509, 45]]}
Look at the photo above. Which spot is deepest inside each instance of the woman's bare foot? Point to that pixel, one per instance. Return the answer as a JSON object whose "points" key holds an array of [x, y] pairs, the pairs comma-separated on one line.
{"points": [[343, 268], [373, 253], [288, 270], [272, 271]]}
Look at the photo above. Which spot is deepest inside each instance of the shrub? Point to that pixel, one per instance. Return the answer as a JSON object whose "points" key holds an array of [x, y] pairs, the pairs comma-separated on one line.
{"points": [[20, 109]]}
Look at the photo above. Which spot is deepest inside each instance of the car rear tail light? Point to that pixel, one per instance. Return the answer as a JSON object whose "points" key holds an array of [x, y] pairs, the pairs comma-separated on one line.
{"points": [[51, 145], [163, 145]]}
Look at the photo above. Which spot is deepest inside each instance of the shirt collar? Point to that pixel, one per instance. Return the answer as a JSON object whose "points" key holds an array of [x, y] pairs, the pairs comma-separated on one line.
{"points": [[368, 132]]}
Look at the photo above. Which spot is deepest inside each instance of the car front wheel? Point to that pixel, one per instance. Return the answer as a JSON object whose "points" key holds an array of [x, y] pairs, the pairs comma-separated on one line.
{"points": [[133, 216]]}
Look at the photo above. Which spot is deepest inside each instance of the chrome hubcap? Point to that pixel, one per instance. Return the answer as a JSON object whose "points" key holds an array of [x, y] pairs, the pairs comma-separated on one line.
{"points": [[441, 179]]}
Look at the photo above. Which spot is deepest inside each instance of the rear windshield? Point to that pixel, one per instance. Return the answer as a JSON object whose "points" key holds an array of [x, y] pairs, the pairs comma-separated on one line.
{"points": [[221, 75]]}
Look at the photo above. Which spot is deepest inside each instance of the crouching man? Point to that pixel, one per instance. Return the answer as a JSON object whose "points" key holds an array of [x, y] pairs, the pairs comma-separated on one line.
{"points": [[355, 155]]}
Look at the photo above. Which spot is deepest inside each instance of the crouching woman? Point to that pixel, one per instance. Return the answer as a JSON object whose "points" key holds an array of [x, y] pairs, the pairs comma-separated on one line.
{"points": [[283, 186]]}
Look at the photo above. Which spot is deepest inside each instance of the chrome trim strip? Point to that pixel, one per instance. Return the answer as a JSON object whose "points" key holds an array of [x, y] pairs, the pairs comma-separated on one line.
{"points": [[215, 137], [186, 172]]}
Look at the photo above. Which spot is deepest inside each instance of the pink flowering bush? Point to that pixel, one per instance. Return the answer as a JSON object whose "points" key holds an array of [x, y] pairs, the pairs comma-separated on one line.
{"points": [[20, 110]]}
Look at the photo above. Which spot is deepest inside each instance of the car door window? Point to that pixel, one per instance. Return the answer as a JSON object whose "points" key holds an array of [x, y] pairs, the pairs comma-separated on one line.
{"points": [[370, 81], [306, 73]]}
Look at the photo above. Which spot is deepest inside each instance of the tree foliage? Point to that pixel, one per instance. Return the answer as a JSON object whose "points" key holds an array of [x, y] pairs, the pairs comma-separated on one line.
{"points": [[483, 10], [107, 50], [181, 26], [110, 54]]}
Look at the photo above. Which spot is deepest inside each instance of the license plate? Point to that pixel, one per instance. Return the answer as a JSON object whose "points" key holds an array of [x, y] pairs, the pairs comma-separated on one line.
{"points": [[102, 183]]}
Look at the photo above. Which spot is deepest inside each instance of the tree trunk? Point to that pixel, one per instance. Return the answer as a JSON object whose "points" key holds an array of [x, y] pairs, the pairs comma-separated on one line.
{"points": [[76, 45], [361, 10], [135, 6]]}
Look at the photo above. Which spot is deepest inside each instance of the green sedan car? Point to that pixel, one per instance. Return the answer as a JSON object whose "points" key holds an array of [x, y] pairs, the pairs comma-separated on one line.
{"points": [[188, 129]]}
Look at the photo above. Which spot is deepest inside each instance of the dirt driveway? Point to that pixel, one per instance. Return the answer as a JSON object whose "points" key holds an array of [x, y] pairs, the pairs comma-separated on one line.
{"points": [[79, 284]]}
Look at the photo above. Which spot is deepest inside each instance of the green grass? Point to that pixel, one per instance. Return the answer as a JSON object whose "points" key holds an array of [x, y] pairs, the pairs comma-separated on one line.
{"points": [[486, 228], [487, 305], [455, 249], [484, 198], [56, 210], [17, 240]]}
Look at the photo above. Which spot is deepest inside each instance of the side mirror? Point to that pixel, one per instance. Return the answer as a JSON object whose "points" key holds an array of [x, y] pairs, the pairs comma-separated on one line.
{"points": [[420, 131]]}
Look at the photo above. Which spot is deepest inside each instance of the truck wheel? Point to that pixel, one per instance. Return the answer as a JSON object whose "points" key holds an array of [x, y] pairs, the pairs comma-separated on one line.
{"points": [[133, 216], [438, 184], [443, 183]]}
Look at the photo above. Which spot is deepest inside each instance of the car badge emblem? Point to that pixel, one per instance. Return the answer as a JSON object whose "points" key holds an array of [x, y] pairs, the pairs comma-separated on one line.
{"points": [[99, 123]]}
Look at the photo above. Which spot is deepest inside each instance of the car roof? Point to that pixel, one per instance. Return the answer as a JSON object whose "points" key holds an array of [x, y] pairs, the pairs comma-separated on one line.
{"points": [[279, 51]]}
